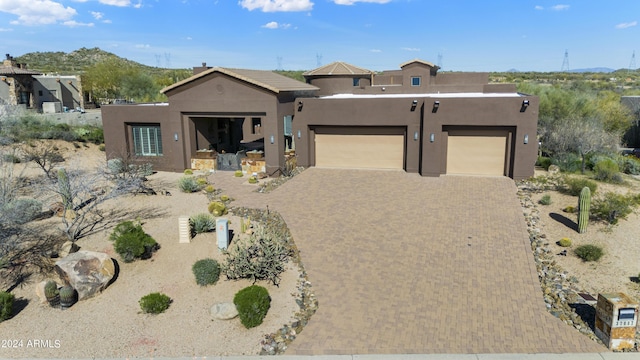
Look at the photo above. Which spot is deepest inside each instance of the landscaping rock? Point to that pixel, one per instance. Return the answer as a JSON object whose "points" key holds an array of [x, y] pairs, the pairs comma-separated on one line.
{"points": [[224, 311], [88, 272], [553, 170], [40, 292], [67, 248]]}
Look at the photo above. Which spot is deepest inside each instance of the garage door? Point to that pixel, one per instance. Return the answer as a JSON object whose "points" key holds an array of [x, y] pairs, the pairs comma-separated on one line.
{"points": [[477, 153], [371, 151]]}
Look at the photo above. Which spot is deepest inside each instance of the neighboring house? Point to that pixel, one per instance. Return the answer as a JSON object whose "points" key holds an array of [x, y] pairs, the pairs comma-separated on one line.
{"points": [[31, 89], [413, 119], [16, 83]]}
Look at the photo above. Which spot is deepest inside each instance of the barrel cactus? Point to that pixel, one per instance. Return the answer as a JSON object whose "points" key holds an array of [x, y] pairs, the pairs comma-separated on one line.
{"points": [[67, 296], [217, 208], [51, 293], [583, 209]]}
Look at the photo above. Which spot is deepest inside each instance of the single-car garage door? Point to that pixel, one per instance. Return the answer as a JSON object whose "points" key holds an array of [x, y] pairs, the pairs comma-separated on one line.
{"points": [[364, 148], [480, 152]]}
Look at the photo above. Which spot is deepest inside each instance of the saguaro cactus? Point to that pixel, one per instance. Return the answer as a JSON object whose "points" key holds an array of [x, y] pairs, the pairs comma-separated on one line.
{"points": [[583, 209]]}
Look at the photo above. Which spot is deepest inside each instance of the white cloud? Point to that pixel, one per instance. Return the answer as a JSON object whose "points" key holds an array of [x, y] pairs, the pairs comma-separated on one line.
{"points": [[120, 3], [106, 21], [277, 5], [37, 12], [73, 23], [375, 50], [275, 25], [143, 46], [626, 25], [538, 7], [410, 49], [5, 30], [189, 38], [96, 15], [560, 7], [351, 2]]}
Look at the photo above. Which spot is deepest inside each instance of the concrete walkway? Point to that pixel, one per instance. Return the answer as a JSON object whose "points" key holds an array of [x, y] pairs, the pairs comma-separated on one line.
{"points": [[403, 264]]}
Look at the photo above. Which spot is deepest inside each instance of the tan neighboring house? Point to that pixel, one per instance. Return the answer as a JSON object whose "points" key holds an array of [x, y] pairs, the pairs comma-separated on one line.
{"points": [[16, 83], [412, 119]]}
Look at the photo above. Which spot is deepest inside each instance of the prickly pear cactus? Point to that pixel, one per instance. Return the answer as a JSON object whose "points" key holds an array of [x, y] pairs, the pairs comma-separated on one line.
{"points": [[583, 209]]}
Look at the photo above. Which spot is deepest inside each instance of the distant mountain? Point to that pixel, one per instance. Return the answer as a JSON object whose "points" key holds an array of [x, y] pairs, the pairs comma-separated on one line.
{"points": [[68, 63], [589, 70]]}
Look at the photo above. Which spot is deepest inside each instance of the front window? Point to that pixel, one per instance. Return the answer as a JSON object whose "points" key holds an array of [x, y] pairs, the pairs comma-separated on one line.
{"points": [[356, 81], [415, 81], [147, 140]]}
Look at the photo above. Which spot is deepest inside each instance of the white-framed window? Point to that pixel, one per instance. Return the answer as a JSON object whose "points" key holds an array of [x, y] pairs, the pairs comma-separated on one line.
{"points": [[416, 80], [147, 140]]}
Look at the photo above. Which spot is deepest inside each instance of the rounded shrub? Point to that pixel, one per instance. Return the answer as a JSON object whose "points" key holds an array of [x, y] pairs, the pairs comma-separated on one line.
{"points": [[569, 209], [188, 172], [201, 181], [209, 189], [607, 170], [131, 242], [545, 200], [206, 271], [253, 180], [6, 305], [188, 184], [253, 303], [573, 185], [202, 223], [589, 252], [564, 242], [224, 198], [217, 208], [238, 173], [154, 303]]}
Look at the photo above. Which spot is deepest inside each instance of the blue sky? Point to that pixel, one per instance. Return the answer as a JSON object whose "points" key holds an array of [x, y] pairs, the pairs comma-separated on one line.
{"points": [[459, 35]]}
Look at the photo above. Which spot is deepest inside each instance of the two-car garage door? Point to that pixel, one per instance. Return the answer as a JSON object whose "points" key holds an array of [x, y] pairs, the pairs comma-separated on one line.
{"points": [[360, 147]]}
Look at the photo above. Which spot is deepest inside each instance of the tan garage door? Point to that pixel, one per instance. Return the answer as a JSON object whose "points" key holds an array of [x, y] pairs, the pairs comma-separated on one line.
{"points": [[477, 154], [360, 151]]}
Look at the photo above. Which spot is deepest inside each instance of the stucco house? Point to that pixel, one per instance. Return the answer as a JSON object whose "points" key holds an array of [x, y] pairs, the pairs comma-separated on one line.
{"points": [[413, 119]]}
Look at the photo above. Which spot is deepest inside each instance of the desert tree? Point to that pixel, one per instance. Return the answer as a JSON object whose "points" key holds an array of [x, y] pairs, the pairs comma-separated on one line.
{"points": [[44, 155]]}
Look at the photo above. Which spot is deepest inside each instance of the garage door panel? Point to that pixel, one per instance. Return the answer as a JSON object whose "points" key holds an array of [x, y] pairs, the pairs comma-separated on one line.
{"points": [[476, 154], [360, 151]]}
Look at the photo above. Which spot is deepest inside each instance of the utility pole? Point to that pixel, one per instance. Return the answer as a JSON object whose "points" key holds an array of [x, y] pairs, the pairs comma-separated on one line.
{"points": [[565, 62]]}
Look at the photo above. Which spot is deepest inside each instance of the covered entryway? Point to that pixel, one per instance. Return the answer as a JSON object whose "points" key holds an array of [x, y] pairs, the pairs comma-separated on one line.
{"points": [[360, 147], [477, 152]]}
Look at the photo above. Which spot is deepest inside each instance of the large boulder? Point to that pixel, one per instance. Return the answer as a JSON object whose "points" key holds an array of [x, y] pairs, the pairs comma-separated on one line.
{"points": [[88, 272]]}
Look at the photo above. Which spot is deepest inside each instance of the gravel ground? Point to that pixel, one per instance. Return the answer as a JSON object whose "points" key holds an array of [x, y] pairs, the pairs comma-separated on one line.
{"points": [[112, 325]]}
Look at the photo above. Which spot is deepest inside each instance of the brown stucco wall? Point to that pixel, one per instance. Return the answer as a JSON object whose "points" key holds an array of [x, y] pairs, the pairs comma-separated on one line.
{"points": [[464, 112], [117, 137]]}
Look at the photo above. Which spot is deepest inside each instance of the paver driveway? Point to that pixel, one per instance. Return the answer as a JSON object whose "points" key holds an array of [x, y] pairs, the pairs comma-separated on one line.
{"points": [[407, 264]]}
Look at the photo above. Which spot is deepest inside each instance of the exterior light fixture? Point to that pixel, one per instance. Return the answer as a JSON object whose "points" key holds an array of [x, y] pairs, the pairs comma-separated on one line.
{"points": [[300, 105], [436, 105], [3, 79], [299, 134], [525, 105], [414, 104], [526, 138], [175, 136], [415, 136], [271, 139], [432, 137]]}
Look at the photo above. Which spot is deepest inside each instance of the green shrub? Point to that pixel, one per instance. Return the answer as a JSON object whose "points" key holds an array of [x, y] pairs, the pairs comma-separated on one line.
{"points": [[224, 198], [21, 211], [573, 185], [569, 163], [101, 147], [261, 256], [253, 180], [6, 305], [611, 206], [569, 209], [607, 170], [188, 172], [253, 303], [238, 173], [629, 165], [131, 242], [206, 271], [201, 181], [11, 158], [202, 223], [589, 252], [217, 208], [543, 162], [564, 242], [545, 200], [209, 189], [154, 303], [188, 184]]}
